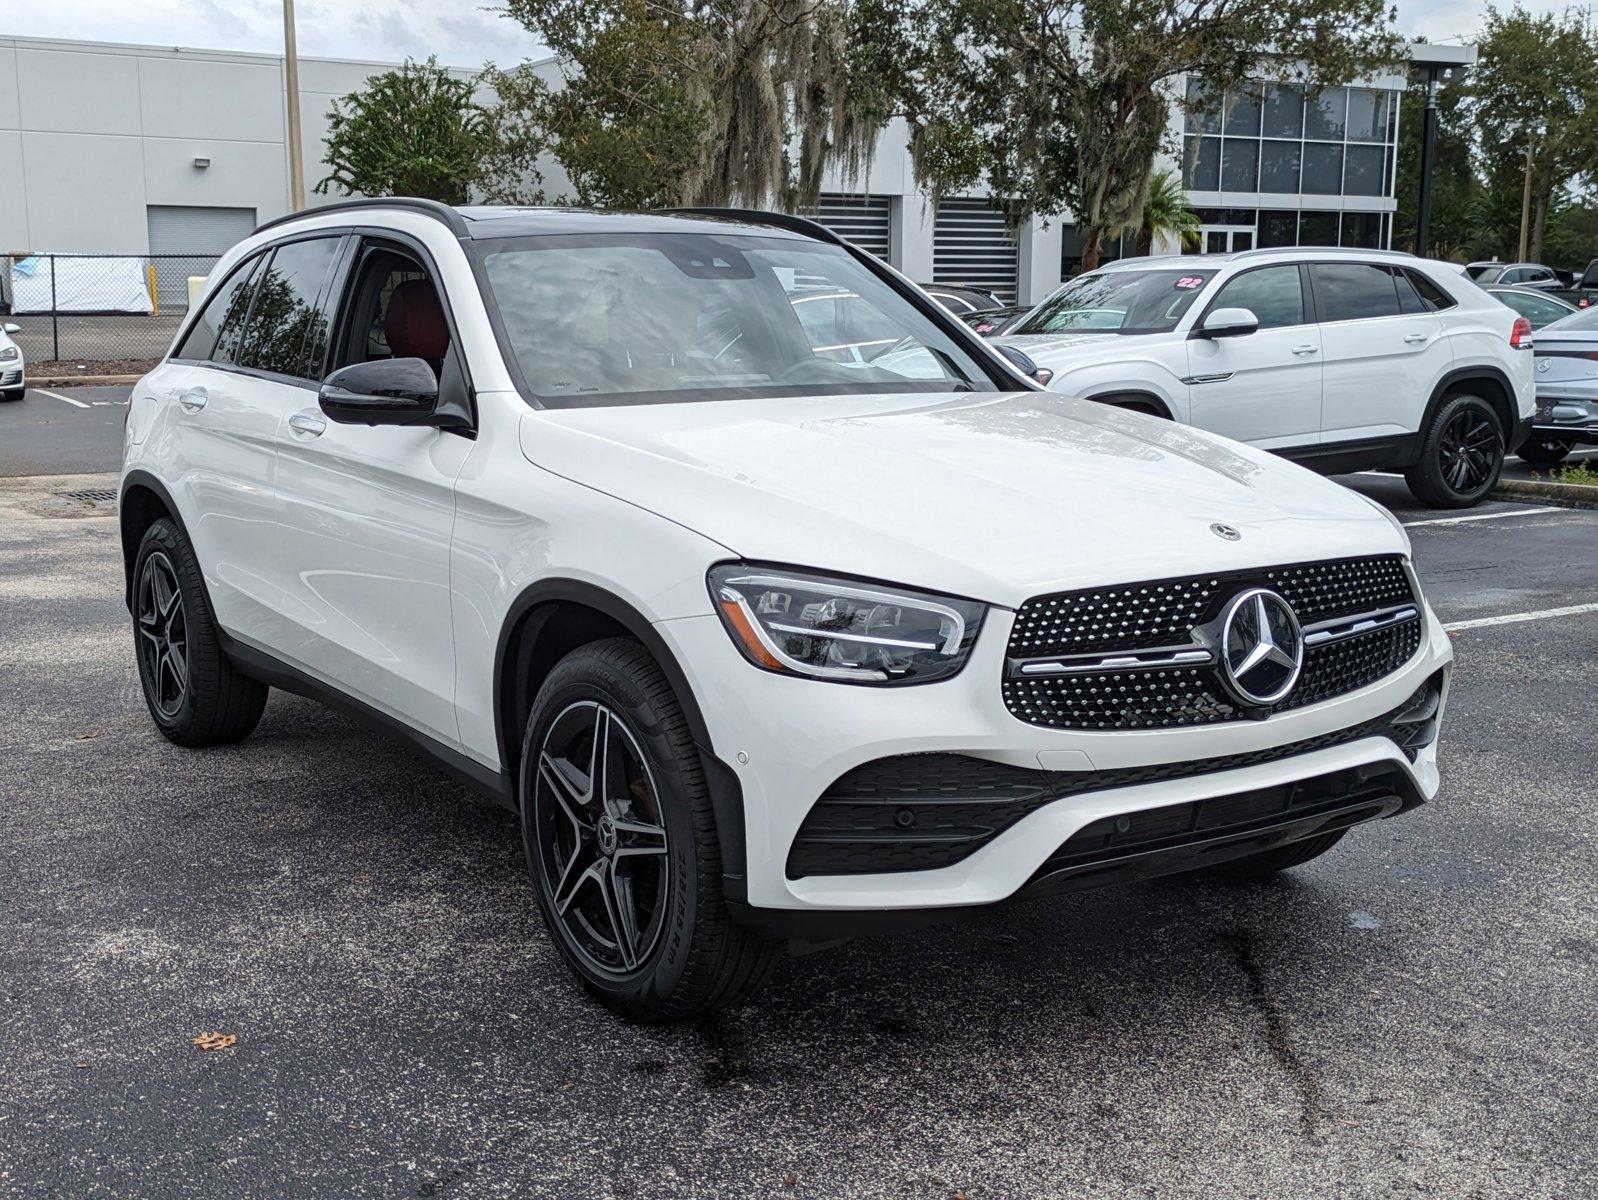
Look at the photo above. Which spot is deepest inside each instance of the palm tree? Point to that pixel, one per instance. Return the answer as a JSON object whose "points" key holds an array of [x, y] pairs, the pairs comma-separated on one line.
{"points": [[1165, 212]]}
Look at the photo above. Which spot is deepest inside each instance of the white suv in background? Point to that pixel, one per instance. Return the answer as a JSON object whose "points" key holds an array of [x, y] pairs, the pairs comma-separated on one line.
{"points": [[1339, 359], [766, 633], [11, 364]]}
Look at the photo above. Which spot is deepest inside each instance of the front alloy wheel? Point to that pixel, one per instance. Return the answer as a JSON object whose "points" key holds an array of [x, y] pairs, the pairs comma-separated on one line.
{"points": [[601, 839]]}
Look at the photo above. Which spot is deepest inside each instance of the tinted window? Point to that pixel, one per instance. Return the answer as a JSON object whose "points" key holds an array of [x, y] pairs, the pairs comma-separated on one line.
{"points": [[1536, 309], [286, 324], [1118, 302], [1366, 171], [1284, 110], [233, 294], [1514, 275], [1476, 271], [238, 309], [1201, 165], [1433, 295], [1353, 291], [1279, 163], [1239, 165], [1323, 169], [1273, 294], [1325, 113]]}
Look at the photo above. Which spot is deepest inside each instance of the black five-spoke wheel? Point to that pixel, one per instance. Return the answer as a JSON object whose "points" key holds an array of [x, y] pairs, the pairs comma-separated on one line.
{"points": [[1469, 450], [163, 634], [601, 839]]}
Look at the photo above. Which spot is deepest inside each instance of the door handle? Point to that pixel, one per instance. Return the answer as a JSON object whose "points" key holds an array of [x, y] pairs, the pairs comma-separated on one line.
{"points": [[1415, 339], [193, 399], [1305, 349], [311, 424]]}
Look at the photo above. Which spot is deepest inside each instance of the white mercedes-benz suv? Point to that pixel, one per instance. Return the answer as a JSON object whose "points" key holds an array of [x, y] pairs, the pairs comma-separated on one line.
{"points": [[12, 367], [1339, 359], [776, 619]]}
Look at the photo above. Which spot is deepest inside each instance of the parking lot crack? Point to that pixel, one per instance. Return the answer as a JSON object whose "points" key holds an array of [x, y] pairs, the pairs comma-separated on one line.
{"points": [[1311, 1095]]}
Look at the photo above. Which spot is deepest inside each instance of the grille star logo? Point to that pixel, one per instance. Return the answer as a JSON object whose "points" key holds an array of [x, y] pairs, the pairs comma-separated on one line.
{"points": [[1262, 647]]}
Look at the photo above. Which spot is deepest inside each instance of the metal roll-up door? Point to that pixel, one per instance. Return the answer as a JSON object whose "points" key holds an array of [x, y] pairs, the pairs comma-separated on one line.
{"points": [[196, 235], [862, 220], [971, 247]]}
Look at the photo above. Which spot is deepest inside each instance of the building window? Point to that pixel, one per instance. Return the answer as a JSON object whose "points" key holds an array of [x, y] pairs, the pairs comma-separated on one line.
{"points": [[1325, 114], [1323, 168], [1367, 115], [1279, 164], [1317, 229], [1201, 168], [1365, 171], [1363, 230], [1240, 164], [1203, 109], [1284, 111], [1243, 112]]}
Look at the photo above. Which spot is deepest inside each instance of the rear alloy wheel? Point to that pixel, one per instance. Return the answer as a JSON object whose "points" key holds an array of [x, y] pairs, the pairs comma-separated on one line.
{"points": [[1461, 455], [1544, 454], [194, 694], [621, 838]]}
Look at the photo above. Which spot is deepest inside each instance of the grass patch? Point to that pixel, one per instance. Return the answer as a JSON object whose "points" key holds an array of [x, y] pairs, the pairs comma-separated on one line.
{"points": [[1580, 474]]}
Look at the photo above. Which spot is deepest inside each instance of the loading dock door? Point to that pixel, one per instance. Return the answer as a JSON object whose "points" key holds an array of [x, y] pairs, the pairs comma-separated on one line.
{"points": [[197, 234]]}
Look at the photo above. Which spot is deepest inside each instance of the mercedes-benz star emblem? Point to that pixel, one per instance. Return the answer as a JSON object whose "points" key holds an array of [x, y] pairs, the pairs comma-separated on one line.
{"points": [[1262, 648], [1225, 531]]}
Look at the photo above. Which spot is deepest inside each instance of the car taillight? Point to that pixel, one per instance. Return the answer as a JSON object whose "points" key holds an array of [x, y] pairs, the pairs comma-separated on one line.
{"points": [[1520, 334]]}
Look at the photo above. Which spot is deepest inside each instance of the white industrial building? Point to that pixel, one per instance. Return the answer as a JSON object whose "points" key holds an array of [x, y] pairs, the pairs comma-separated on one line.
{"points": [[138, 150]]}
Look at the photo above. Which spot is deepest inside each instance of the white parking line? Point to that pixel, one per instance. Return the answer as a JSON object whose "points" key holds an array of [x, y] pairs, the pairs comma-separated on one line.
{"points": [[1570, 610], [60, 397], [1492, 516]]}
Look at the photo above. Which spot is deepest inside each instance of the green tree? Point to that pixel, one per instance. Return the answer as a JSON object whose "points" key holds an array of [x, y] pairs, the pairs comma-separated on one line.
{"points": [[1536, 84], [666, 102], [1165, 212], [415, 131], [1063, 104]]}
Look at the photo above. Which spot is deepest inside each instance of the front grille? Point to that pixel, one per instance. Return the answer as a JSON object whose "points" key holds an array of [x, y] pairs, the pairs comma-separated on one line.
{"points": [[1164, 613], [915, 812]]}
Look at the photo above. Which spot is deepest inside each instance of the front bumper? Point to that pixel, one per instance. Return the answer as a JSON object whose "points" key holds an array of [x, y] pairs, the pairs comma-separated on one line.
{"points": [[789, 740]]}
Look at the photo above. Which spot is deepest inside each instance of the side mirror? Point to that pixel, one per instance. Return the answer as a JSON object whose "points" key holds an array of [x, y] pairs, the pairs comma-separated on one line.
{"points": [[10, 328], [1228, 322], [1023, 362], [387, 391]]}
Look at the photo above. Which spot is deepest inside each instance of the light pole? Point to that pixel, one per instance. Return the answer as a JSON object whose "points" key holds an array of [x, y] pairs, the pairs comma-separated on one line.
{"points": [[291, 81], [1440, 63]]}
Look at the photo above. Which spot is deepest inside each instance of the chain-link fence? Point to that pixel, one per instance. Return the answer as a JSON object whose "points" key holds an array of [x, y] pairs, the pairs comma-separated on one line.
{"points": [[113, 313]]}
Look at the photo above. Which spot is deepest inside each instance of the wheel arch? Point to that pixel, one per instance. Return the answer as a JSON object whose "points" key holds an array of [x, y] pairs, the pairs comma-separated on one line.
{"points": [[1488, 382], [553, 617], [1136, 401], [143, 501]]}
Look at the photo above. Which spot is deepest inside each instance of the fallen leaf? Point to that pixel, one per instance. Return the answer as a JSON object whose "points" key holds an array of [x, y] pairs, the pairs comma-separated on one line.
{"points": [[363, 879], [82, 1066], [84, 737], [790, 1180], [216, 1040]]}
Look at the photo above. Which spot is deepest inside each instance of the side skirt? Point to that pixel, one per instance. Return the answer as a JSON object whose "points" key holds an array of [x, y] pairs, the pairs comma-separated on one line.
{"points": [[269, 669], [1365, 454]]}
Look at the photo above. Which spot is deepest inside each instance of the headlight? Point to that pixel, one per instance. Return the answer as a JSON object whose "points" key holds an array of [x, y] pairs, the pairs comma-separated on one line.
{"points": [[9, 354], [796, 623]]}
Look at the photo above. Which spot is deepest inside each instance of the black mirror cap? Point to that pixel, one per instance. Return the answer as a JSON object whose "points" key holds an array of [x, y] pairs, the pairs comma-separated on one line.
{"points": [[387, 391], [1022, 362]]}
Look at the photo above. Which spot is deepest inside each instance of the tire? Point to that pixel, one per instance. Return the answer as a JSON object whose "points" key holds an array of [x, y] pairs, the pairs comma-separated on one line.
{"points": [[1461, 455], [1544, 454], [1270, 862], [195, 695], [630, 887]]}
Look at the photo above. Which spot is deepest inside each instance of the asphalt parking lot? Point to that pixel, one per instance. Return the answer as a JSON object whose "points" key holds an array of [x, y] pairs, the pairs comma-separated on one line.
{"points": [[1413, 1014]]}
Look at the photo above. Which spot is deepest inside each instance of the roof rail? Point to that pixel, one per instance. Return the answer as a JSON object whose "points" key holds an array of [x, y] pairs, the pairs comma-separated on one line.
{"points": [[432, 208], [1318, 250], [759, 216]]}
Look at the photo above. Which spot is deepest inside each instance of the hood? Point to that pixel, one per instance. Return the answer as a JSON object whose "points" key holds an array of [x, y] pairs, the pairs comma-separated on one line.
{"points": [[994, 497], [1057, 350]]}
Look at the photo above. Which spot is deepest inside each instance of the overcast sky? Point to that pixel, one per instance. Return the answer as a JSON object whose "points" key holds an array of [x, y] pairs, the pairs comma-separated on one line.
{"points": [[460, 32]]}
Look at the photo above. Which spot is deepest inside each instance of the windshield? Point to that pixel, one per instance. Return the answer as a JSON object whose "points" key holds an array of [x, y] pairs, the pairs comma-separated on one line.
{"points": [[673, 317], [1118, 302]]}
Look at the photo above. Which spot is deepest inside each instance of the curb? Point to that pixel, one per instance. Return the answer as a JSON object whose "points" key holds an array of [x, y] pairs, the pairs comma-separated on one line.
{"points": [[1557, 493], [48, 381]]}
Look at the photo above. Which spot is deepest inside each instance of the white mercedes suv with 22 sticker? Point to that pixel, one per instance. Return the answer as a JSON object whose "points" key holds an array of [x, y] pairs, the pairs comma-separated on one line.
{"points": [[1339, 359], [771, 634]]}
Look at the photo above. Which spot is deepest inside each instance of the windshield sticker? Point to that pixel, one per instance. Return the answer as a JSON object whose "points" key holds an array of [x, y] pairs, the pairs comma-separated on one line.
{"points": [[1188, 282]]}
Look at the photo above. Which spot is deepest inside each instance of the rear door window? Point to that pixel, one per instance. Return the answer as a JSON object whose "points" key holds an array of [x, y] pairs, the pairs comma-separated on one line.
{"points": [[231, 301], [1354, 291], [288, 325]]}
